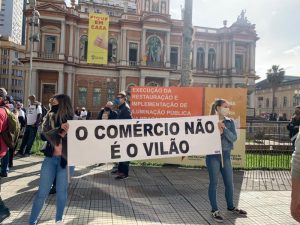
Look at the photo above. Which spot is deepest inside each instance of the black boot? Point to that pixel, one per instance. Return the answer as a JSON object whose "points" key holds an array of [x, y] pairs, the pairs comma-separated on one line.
{"points": [[4, 211]]}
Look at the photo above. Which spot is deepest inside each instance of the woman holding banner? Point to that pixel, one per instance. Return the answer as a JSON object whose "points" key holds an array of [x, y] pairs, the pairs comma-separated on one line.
{"points": [[222, 163], [54, 131]]}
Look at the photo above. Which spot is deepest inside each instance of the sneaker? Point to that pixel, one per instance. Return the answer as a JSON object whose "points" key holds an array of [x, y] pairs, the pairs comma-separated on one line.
{"points": [[59, 222], [238, 212], [121, 177], [4, 214], [217, 216], [3, 174]]}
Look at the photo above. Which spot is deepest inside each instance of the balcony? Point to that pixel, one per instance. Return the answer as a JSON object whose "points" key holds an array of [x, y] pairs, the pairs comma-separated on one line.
{"points": [[48, 55], [155, 64]]}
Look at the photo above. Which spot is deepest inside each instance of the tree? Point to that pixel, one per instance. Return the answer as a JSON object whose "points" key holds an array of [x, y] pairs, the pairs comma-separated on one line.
{"points": [[275, 76]]}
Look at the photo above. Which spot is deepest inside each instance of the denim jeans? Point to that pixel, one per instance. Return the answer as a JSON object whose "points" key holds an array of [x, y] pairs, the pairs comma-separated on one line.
{"points": [[214, 166], [50, 169], [4, 163], [28, 139]]}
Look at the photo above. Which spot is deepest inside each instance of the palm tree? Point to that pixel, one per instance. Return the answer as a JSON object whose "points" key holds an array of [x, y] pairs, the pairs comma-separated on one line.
{"points": [[275, 76]]}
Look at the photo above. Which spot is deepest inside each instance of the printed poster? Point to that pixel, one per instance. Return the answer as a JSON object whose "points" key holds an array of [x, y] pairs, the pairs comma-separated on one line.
{"points": [[98, 38]]}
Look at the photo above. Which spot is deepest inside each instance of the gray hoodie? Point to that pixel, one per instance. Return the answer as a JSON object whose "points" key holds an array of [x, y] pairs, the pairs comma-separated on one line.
{"points": [[296, 159]]}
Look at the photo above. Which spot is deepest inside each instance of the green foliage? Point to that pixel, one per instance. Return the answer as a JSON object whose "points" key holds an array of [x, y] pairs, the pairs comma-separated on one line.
{"points": [[275, 76]]}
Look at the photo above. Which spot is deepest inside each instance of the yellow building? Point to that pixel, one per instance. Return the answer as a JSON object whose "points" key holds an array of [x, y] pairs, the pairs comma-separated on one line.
{"points": [[287, 96]]}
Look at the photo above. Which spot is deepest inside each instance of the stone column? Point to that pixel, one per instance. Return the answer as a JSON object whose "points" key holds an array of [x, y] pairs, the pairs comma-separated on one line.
{"points": [[224, 57], [143, 41], [166, 82], [60, 88], [34, 82], [124, 47], [77, 45], [71, 45], [62, 40], [69, 85], [252, 58], [218, 57], [142, 80], [195, 48], [168, 50], [206, 57], [233, 70], [252, 100]]}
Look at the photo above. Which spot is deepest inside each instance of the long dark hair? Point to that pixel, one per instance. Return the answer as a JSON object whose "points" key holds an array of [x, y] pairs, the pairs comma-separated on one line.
{"points": [[65, 110], [217, 103]]}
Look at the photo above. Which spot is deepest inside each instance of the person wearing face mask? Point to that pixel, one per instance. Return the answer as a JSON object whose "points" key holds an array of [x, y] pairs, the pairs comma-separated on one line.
{"points": [[222, 163], [293, 126], [123, 112], [107, 113], [54, 130]]}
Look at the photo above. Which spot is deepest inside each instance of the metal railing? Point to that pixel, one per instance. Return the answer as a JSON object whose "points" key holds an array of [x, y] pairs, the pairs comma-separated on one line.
{"points": [[47, 55], [268, 145]]}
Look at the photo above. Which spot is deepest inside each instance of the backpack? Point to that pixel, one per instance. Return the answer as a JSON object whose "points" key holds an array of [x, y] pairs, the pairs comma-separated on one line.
{"points": [[11, 134]]}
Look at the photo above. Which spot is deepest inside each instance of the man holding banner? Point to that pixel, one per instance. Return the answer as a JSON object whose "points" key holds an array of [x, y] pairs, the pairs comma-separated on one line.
{"points": [[123, 113]]}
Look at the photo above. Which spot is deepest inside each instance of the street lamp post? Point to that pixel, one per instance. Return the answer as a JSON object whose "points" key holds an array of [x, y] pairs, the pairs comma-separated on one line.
{"points": [[34, 37]]}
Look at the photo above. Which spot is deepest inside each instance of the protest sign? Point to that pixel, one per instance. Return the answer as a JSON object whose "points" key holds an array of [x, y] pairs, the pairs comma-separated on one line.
{"points": [[102, 141], [166, 102]]}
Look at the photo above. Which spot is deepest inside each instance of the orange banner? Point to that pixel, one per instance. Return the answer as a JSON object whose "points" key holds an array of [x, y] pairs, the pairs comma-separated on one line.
{"points": [[236, 97], [166, 102]]}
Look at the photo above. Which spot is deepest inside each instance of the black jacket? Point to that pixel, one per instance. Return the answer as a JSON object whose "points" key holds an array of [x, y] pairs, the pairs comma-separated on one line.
{"points": [[124, 112], [112, 115]]}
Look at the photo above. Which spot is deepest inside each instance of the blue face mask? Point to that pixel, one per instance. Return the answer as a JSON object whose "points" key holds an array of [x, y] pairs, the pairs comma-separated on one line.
{"points": [[117, 101]]}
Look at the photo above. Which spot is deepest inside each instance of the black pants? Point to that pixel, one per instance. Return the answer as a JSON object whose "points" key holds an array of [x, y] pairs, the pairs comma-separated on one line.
{"points": [[2, 206], [28, 139], [123, 167]]}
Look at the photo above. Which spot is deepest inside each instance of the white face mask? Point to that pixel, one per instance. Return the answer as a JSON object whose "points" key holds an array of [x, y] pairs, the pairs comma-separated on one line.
{"points": [[224, 111]]}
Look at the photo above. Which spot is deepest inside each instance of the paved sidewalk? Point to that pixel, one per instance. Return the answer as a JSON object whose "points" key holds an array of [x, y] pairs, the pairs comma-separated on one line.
{"points": [[152, 195]]}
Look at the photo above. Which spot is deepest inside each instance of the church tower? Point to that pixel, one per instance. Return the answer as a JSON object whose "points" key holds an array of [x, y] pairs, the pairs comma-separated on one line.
{"points": [[153, 7]]}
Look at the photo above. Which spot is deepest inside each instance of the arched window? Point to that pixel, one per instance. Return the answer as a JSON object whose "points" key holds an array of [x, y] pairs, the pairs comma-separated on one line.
{"points": [[200, 59], [112, 50], [154, 50], [211, 60], [83, 47]]}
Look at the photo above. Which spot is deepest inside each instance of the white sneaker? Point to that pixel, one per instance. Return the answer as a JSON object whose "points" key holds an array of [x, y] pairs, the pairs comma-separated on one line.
{"points": [[59, 222]]}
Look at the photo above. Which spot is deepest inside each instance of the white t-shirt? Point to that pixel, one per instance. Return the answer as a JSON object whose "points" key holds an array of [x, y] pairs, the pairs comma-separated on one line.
{"points": [[32, 113], [21, 113]]}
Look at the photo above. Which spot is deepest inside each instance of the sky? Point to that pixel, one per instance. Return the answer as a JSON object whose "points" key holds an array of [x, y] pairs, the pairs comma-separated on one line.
{"points": [[277, 25]]}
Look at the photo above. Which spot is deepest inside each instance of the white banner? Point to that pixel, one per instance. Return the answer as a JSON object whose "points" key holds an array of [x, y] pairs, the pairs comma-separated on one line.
{"points": [[102, 141]]}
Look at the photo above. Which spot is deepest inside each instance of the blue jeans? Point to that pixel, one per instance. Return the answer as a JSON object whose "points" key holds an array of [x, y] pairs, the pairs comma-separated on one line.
{"points": [[213, 163], [4, 163], [50, 169]]}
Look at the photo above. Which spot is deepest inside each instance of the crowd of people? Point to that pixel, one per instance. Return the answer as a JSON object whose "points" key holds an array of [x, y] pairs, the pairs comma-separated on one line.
{"points": [[54, 170]]}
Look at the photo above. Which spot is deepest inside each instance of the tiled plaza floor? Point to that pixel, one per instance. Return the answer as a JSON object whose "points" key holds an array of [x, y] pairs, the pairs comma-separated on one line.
{"points": [[151, 196]]}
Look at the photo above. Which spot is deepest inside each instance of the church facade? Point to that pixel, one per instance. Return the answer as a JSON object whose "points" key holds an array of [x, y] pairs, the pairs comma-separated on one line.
{"points": [[144, 48]]}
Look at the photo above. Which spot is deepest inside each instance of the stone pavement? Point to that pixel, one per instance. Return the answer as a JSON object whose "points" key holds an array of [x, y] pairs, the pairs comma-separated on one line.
{"points": [[151, 196]]}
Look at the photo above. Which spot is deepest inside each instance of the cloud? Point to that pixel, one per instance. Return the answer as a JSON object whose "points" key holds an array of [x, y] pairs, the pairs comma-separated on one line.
{"points": [[295, 51]]}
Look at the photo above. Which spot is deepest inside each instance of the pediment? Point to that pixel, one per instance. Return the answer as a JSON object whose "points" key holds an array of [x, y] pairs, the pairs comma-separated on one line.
{"points": [[51, 7], [156, 19]]}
